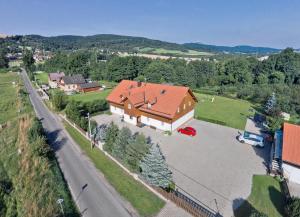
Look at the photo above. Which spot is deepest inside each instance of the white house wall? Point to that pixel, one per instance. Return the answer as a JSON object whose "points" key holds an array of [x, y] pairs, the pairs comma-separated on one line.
{"points": [[52, 84], [183, 119], [131, 120], [116, 110], [156, 123], [291, 173]]}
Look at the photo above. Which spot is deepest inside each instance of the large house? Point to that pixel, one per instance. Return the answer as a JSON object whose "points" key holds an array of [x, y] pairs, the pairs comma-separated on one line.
{"points": [[71, 83], [160, 106], [54, 79], [287, 150]]}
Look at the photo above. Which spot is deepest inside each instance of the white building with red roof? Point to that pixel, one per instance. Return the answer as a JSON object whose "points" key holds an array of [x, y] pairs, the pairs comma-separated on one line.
{"points": [[159, 106], [287, 151]]}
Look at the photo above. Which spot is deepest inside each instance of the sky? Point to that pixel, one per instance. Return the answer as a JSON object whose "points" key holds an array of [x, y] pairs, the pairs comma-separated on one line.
{"points": [[272, 23]]}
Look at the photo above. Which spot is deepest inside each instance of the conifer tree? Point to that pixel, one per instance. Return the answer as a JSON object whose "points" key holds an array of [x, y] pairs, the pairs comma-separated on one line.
{"points": [[154, 168]]}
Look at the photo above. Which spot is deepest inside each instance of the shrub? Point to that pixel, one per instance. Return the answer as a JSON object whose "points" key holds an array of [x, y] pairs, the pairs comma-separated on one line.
{"points": [[293, 207]]}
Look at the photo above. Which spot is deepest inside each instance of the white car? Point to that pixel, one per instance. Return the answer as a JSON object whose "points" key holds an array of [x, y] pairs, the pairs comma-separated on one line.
{"points": [[251, 139]]}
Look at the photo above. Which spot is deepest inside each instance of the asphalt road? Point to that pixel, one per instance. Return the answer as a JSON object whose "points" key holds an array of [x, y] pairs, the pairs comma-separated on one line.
{"points": [[91, 192]]}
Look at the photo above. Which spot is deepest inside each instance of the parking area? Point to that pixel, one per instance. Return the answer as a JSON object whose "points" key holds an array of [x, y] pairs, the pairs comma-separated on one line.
{"points": [[212, 166]]}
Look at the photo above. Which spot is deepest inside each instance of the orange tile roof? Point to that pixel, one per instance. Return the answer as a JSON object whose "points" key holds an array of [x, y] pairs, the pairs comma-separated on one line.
{"points": [[291, 144], [164, 104]]}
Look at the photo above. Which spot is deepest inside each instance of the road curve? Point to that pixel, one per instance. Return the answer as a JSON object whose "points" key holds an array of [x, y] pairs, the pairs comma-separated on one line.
{"points": [[91, 192]]}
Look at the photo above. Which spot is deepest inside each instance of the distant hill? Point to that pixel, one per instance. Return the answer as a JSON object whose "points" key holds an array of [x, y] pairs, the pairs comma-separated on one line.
{"points": [[103, 41], [132, 44], [242, 49], [3, 35]]}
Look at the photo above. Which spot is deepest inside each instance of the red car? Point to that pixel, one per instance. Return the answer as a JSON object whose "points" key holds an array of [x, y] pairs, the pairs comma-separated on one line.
{"points": [[190, 131]]}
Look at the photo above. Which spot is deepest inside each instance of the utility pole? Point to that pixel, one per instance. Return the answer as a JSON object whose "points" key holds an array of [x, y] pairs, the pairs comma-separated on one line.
{"points": [[90, 133], [60, 201]]}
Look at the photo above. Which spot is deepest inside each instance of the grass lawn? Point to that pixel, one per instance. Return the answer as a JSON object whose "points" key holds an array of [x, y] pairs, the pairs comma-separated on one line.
{"points": [[225, 111], [41, 77], [265, 197], [8, 96], [144, 201], [90, 96], [108, 84]]}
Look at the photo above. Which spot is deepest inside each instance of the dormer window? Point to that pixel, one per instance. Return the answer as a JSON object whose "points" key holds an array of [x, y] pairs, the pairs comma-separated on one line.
{"points": [[178, 110], [190, 103], [149, 105], [129, 106], [183, 106]]}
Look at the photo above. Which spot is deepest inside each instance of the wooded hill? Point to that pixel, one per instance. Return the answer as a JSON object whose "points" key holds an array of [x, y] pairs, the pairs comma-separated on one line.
{"points": [[127, 43]]}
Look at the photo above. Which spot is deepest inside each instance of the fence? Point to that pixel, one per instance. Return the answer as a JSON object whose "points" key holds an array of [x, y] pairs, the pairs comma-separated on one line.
{"points": [[196, 209]]}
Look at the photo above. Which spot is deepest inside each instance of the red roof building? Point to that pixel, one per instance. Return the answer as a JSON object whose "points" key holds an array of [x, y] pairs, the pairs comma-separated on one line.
{"points": [[161, 106], [291, 144], [291, 152]]}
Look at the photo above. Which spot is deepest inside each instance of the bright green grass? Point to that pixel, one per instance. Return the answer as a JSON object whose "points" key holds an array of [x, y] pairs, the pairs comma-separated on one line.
{"points": [[90, 96], [8, 95], [41, 77], [229, 112], [265, 197], [175, 52], [108, 84], [144, 201]]}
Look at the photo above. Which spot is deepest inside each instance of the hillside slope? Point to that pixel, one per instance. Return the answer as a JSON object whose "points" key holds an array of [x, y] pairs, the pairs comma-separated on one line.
{"points": [[246, 49]]}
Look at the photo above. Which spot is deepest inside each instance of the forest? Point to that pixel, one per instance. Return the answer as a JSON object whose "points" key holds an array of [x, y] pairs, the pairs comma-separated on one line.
{"points": [[240, 76]]}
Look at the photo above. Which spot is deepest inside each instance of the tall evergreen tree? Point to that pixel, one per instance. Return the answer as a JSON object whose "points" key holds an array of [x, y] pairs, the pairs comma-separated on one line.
{"points": [[123, 139], [136, 150], [110, 137], [271, 104], [154, 168]]}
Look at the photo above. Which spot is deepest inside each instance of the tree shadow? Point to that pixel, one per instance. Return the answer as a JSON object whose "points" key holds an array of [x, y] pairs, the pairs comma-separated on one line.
{"points": [[277, 199], [54, 141], [242, 208]]}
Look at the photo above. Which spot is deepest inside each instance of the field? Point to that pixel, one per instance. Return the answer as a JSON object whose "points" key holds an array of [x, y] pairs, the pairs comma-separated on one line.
{"points": [[190, 53], [41, 77], [90, 96], [266, 197], [8, 96], [225, 111], [144, 201]]}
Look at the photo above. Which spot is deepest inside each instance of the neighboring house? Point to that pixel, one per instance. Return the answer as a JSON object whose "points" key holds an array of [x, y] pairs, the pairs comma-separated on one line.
{"points": [[160, 106], [54, 79], [287, 150], [88, 87], [71, 83]]}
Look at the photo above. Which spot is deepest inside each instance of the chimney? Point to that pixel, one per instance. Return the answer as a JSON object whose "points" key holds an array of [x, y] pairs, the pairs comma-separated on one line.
{"points": [[139, 83]]}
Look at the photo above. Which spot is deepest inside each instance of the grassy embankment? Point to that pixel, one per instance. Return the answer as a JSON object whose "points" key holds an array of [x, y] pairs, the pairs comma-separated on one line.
{"points": [[222, 110], [266, 197], [144, 201], [33, 182]]}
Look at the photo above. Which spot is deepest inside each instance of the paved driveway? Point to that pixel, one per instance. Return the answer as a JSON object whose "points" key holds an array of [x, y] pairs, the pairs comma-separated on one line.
{"points": [[211, 166]]}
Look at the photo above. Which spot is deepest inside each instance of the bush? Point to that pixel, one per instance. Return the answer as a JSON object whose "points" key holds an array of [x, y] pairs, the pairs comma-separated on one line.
{"points": [[36, 131], [293, 207], [59, 100]]}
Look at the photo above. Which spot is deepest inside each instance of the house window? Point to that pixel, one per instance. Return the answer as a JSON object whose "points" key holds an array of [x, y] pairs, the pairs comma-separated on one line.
{"points": [[129, 106], [183, 106], [148, 119], [130, 117], [162, 123], [178, 110], [190, 103]]}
